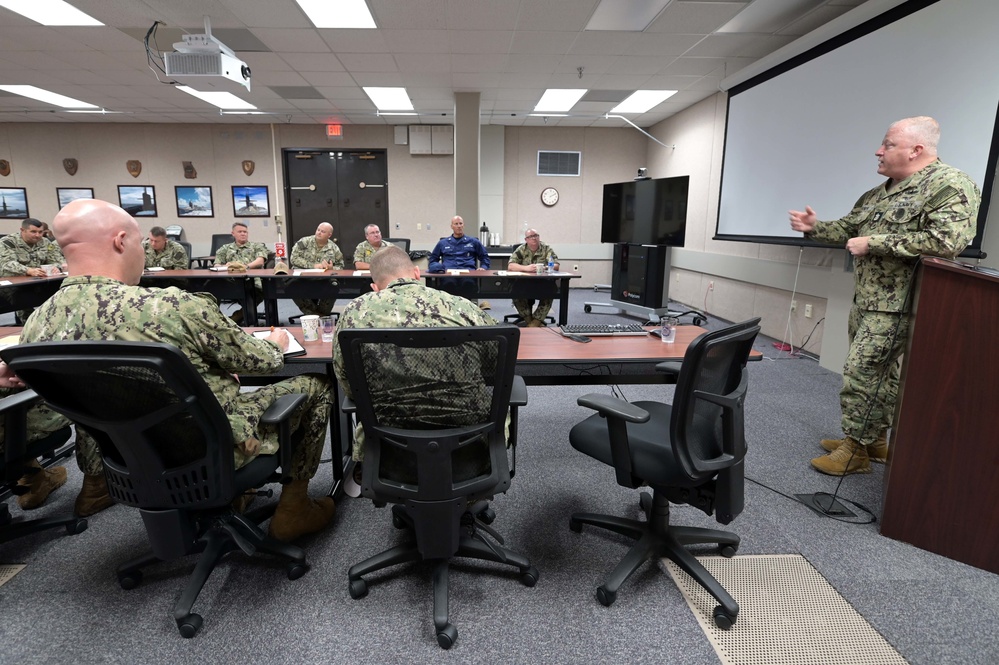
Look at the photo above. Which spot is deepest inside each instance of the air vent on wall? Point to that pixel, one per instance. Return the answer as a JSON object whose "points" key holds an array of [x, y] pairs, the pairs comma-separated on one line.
{"points": [[558, 163]]}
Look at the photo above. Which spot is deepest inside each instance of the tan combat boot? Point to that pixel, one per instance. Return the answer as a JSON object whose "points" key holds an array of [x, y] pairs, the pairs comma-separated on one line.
{"points": [[878, 451], [851, 457], [40, 483], [93, 496], [535, 323], [297, 514]]}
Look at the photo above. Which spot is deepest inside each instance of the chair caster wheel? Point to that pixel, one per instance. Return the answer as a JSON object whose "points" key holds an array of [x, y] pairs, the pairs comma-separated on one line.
{"points": [[189, 625], [605, 596], [76, 527], [130, 580], [645, 502], [728, 551], [487, 516], [296, 570], [575, 525], [723, 619], [529, 576], [358, 589], [447, 636], [698, 321], [587, 308], [398, 522]]}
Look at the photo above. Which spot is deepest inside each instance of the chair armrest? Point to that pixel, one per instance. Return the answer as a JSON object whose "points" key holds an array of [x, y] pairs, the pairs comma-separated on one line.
{"points": [[23, 399], [14, 411], [669, 367], [279, 413], [347, 405], [282, 408], [614, 407], [518, 395]]}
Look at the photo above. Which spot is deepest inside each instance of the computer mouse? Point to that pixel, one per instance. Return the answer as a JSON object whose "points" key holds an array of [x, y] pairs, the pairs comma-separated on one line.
{"points": [[578, 338], [656, 332]]}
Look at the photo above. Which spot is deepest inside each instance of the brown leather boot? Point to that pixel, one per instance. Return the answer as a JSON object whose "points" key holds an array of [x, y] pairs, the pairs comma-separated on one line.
{"points": [[40, 483], [877, 451], [93, 496], [297, 514]]}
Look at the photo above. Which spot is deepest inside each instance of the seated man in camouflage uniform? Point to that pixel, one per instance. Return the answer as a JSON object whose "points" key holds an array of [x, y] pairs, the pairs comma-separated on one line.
{"points": [[399, 300], [161, 252], [366, 248], [251, 254], [103, 245], [41, 422], [26, 252], [526, 258], [317, 251]]}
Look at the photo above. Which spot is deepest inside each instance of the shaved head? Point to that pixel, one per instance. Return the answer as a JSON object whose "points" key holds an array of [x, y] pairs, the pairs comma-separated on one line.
{"points": [[99, 238], [390, 264]]}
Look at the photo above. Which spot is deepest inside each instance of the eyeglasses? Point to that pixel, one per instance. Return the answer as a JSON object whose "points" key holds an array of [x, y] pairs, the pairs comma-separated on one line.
{"points": [[531, 237]]}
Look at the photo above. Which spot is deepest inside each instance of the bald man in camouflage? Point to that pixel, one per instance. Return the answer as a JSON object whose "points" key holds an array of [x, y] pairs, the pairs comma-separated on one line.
{"points": [[101, 300], [924, 208], [317, 251]]}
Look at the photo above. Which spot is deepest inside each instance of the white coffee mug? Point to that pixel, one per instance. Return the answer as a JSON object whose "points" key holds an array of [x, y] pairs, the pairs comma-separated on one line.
{"points": [[310, 328]]}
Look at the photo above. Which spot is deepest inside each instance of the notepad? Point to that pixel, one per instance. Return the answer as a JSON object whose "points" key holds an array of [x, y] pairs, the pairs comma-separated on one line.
{"points": [[9, 340], [155, 269], [219, 268], [308, 271], [361, 273], [294, 348]]}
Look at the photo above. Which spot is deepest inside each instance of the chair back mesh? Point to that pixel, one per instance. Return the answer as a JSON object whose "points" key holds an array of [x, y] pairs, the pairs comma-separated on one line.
{"points": [[165, 440], [433, 404], [707, 427]]}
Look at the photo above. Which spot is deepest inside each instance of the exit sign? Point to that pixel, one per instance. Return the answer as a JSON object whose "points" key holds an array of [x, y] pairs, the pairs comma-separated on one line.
{"points": [[334, 132]]}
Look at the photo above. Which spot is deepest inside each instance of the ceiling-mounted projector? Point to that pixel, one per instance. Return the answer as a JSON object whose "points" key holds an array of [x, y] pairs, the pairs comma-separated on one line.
{"points": [[203, 55]]}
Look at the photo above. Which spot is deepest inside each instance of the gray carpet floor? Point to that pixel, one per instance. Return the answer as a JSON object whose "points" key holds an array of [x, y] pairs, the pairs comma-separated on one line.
{"points": [[66, 606]]}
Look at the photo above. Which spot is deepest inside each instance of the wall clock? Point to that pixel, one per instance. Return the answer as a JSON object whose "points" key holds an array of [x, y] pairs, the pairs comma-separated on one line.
{"points": [[549, 196]]}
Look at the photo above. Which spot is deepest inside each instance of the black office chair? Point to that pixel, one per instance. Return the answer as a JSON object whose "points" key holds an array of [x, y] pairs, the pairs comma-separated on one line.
{"points": [[690, 452], [517, 319], [433, 403], [218, 239], [167, 450], [402, 243], [53, 448]]}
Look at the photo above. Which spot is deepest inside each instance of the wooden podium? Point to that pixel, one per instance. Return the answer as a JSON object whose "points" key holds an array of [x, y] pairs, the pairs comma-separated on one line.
{"points": [[941, 487]]}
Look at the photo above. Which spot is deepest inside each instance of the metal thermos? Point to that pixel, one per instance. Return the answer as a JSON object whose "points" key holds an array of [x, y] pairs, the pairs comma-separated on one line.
{"points": [[484, 234]]}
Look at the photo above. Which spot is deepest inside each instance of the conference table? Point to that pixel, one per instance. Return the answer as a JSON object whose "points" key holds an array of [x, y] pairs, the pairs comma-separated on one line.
{"points": [[505, 285], [22, 292]]}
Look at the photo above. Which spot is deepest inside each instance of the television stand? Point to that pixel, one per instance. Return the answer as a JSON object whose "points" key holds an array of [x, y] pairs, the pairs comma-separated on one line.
{"points": [[652, 314]]}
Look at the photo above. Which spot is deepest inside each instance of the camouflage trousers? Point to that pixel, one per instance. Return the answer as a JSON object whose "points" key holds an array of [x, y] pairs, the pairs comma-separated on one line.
{"points": [[871, 371], [312, 418], [524, 309], [41, 422], [322, 307]]}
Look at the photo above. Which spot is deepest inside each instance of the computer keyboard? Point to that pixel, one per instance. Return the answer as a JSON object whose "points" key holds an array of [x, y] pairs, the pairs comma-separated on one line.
{"points": [[603, 329]]}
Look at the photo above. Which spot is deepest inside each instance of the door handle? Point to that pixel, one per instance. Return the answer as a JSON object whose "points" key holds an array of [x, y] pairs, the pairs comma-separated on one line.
{"points": [[311, 188]]}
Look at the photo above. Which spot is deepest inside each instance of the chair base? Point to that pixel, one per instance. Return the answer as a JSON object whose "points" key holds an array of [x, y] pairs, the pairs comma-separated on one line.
{"points": [[470, 545], [226, 533], [656, 538], [517, 319], [11, 530]]}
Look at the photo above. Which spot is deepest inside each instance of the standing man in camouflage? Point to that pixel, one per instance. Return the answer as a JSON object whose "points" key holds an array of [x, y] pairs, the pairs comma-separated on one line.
{"points": [[924, 208], [366, 248], [100, 300], [399, 300], [250, 255], [527, 258], [25, 253], [317, 251], [161, 252]]}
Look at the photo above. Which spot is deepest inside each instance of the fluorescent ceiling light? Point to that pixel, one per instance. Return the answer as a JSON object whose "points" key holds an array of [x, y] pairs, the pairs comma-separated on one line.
{"points": [[768, 16], [244, 113], [339, 14], [49, 12], [98, 111], [381, 113], [47, 97], [223, 100], [641, 101], [548, 115], [626, 15], [559, 101], [390, 99]]}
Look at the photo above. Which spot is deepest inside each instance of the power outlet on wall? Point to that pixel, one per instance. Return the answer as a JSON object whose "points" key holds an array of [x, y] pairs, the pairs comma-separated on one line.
{"points": [[711, 286], [575, 267], [419, 227]]}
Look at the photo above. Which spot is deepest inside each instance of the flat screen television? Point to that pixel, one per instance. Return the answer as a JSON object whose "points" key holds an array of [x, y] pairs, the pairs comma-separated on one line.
{"points": [[645, 212]]}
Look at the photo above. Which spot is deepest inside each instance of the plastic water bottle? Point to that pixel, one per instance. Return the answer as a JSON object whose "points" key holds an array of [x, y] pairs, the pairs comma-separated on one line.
{"points": [[551, 264]]}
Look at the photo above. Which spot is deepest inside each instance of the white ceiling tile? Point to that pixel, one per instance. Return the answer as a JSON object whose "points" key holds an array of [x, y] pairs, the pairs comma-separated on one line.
{"points": [[695, 17], [480, 41], [358, 62], [291, 40], [328, 78]]}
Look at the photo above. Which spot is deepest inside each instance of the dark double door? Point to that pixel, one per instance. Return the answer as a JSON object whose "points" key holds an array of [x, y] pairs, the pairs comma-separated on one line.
{"points": [[347, 188]]}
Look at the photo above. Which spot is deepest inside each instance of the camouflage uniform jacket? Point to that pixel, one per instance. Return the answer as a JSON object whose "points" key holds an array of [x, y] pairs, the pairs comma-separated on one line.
{"points": [[932, 212], [406, 303], [452, 253], [16, 256], [98, 308], [246, 254], [364, 251], [173, 256], [307, 253], [525, 257]]}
